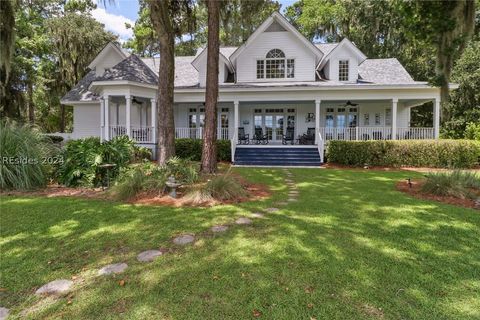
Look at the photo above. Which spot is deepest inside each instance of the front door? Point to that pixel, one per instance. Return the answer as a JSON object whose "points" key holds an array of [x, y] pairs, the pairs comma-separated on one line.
{"points": [[273, 126]]}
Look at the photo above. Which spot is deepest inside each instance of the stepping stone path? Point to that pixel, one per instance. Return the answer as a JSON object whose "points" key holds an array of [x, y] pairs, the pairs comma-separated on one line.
{"points": [[258, 215], [292, 199], [149, 255], [272, 209], [113, 268], [55, 287], [282, 203], [184, 239], [4, 312], [218, 229], [243, 220]]}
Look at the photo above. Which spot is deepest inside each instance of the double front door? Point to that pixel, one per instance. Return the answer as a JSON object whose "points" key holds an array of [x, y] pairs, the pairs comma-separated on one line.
{"points": [[274, 125]]}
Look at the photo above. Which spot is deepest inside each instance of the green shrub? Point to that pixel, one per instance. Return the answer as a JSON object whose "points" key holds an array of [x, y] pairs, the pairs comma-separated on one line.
{"points": [[225, 187], [192, 149], [472, 131], [142, 177], [83, 159], [26, 155], [183, 170], [415, 153], [456, 183]]}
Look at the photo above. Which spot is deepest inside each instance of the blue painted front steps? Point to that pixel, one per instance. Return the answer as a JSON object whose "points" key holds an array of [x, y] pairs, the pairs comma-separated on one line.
{"points": [[281, 156]]}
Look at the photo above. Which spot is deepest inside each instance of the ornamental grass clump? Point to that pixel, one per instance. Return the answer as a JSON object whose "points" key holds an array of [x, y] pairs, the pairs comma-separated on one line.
{"points": [[458, 183], [25, 157], [225, 187]]}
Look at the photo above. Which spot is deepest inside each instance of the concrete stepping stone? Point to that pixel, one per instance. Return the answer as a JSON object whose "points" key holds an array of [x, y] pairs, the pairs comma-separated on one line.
{"points": [[149, 255], [272, 209], [113, 268], [55, 287], [184, 239], [292, 199], [4, 312], [293, 192], [218, 229], [243, 220], [282, 203], [258, 215]]}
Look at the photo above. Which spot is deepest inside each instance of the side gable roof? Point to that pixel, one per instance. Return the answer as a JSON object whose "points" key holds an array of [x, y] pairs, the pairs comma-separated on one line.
{"points": [[280, 19]]}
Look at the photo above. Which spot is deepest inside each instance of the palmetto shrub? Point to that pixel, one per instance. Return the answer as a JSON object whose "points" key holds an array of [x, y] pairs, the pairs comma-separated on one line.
{"points": [[459, 184], [24, 156], [183, 170], [83, 159]]}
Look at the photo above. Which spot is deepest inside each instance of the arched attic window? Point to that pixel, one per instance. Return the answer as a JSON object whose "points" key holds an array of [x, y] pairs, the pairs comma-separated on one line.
{"points": [[275, 66]]}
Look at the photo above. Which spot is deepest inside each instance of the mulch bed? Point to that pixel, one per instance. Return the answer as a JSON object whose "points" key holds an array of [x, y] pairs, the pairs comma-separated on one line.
{"points": [[255, 192], [416, 192]]}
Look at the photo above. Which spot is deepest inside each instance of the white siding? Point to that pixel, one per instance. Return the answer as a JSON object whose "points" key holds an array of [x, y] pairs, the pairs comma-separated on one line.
{"points": [[202, 72], [108, 60], [246, 64], [342, 53], [86, 120]]}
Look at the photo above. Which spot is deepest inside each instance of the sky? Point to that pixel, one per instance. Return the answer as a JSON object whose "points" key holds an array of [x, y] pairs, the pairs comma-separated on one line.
{"points": [[115, 15]]}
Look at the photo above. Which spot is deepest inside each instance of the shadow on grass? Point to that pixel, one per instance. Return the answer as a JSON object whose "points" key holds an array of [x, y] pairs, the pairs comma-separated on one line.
{"points": [[350, 248]]}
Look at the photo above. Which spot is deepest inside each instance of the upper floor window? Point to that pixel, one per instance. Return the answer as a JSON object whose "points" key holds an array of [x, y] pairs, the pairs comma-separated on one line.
{"points": [[275, 66], [343, 70]]}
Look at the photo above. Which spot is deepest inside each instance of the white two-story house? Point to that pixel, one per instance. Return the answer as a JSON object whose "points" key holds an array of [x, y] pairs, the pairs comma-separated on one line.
{"points": [[277, 88]]}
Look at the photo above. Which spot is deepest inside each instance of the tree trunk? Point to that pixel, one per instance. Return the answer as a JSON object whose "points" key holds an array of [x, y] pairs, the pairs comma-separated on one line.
{"points": [[162, 22], [31, 109], [209, 151]]}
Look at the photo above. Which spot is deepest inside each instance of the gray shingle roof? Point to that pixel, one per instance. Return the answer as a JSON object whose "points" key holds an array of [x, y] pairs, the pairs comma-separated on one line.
{"points": [[80, 91], [185, 74], [384, 71], [131, 69]]}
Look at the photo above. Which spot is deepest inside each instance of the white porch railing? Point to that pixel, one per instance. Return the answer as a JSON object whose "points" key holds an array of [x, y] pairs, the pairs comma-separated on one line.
{"points": [[415, 133], [197, 133], [375, 133], [320, 146], [142, 134], [138, 134]]}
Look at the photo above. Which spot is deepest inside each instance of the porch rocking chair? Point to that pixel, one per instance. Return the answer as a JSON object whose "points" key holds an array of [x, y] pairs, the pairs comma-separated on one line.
{"points": [[307, 138], [259, 137], [243, 138], [289, 137]]}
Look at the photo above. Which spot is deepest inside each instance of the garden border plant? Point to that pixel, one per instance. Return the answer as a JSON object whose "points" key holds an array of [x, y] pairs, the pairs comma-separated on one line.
{"points": [[414, 153]]}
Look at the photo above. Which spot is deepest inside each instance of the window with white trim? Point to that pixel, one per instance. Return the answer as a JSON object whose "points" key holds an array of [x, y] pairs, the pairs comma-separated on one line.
{"points": [[343, 70], [275, 66]]}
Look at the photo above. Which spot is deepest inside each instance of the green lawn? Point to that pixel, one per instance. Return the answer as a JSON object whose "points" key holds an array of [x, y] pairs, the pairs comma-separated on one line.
{"points": [[351, 248]]}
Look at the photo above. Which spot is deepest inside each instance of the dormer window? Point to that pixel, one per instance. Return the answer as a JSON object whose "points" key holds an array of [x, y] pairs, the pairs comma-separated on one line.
{"points": [[275, 66], [343, 70]]}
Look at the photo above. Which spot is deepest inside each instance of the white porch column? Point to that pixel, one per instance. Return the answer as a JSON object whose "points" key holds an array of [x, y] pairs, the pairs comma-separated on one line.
{"points": [[317, 119], [128, 107], [394, 118], [102, 120], [107, 116], [436, 119], [153, 110], [235, 120]]}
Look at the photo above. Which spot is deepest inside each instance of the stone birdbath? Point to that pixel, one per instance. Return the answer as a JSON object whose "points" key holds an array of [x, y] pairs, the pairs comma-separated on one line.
{"points": [[173, 185]]}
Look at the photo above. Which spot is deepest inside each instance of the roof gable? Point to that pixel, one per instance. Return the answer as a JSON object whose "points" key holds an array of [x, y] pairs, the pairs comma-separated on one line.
{"points": [[202, 56], [130, 69], [345, 43], [110, 49], [275, 22]]}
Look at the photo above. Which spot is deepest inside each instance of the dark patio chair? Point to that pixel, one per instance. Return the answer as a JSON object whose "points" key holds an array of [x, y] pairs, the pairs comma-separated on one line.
{"points": [[243, 138], [307, 138], [365, 136], [377, 135], [289, 137], [259, 137]]}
